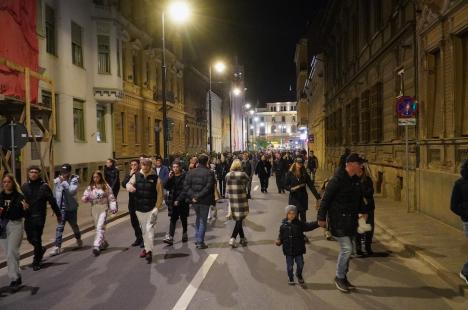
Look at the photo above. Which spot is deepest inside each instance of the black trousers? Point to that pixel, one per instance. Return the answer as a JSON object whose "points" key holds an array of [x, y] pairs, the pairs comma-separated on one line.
{"points": [[264, 183], [238, 230], [279, 183], [302, 216], [222, 187], [34, 227], [173, 223], [134, 221]]}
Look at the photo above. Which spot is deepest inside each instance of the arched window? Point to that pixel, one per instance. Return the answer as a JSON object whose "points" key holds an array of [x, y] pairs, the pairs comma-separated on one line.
{"points": [[273, 129], [293, 129]]}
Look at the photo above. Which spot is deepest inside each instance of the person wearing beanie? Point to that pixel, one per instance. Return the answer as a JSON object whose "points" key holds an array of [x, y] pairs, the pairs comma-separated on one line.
{"points": [[291, 237], [459, 206], [37, 193]]}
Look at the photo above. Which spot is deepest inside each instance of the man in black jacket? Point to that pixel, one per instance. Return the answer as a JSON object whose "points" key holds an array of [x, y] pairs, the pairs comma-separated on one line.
{"points": [[199, 189], [247, 168], [280, 170], [459, 206], [37, 193], [134, 168], [342, 202]]}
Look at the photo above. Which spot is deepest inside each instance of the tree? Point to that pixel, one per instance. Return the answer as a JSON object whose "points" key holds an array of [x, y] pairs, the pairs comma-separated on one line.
{"points": [[262, 143]]}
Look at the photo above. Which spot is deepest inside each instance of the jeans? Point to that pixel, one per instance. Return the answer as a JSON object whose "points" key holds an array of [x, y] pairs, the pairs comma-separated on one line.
{"points": [[238, 230], [34, 226], [299, 259], [465, 267], [148, 221], [72, 218], [11, 245], [201, 212], [346, 247], [99, 214]]}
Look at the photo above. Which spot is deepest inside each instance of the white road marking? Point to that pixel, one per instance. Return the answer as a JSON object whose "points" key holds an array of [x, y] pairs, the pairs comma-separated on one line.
{"points": [[256, 188], [197, 280]]}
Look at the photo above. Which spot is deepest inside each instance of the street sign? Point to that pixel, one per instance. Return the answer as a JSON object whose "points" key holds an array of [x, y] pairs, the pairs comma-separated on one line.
{"points": [[19, 137], [406, 109]]}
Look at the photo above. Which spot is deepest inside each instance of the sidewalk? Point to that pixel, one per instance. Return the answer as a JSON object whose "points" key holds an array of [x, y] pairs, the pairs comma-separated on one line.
{"points": [[441, 246], [85, 221]]}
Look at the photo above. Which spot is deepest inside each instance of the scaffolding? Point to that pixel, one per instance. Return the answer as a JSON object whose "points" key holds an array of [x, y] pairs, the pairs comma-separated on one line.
{"points": [[23, 112]]}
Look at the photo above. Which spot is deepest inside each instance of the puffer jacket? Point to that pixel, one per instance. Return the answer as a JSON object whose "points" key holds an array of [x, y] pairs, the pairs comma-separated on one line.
{"points": [[65, 193], [98, 196], [459, 200], [292, 237], [199, 184], [342, 202]]}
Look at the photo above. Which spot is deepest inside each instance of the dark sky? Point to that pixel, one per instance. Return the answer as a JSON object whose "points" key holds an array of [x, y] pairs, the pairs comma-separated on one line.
{"points": [[261, 33]]}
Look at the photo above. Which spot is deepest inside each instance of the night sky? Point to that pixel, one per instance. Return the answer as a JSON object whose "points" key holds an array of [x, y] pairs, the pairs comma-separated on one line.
{"points": [[261, 33]]}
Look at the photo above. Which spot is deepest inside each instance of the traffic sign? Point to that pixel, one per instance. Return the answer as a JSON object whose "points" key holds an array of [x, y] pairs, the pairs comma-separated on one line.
{"points": [[406, 107], [407, 122], [20, 136]]}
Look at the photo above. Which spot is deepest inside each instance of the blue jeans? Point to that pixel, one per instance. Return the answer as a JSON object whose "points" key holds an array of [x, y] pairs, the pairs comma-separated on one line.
{"points": [[201, 212], [299, 259], [346, 247], [72, 218]]}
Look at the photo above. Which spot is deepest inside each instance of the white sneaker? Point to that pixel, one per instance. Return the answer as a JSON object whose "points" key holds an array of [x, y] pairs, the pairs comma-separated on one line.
{"points": [[232, 243], [79, 243], [55, 251]]}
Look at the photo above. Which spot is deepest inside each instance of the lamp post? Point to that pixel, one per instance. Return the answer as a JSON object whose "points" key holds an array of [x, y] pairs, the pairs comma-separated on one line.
{"points": [[245, 109], [179, 12], [219, 67]]}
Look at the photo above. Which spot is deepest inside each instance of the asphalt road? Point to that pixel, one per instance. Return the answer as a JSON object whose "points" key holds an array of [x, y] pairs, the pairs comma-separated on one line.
{"points": [[219, 277]]}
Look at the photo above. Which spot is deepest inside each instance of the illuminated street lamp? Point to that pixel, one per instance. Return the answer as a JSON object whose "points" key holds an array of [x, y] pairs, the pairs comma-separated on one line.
{"points": [[236, 91], [179, 12]]}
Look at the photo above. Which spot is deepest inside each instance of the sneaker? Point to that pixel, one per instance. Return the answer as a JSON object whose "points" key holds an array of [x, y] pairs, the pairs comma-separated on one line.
{"points": [[243, 242], [300, 279], [137, 242], [149, 257], [79, 243], [350, 286], [232, 243], [96, 251], [55, 251], [104, 245], [202, 246], [36, 266], [464, 277], [168, 240], [291, 282], [341, 285], [143, 254], [184, 237], [15, 285]]}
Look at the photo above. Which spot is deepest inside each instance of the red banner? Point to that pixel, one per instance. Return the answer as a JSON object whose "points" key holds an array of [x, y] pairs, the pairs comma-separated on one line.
{"points": [[19, 44]]}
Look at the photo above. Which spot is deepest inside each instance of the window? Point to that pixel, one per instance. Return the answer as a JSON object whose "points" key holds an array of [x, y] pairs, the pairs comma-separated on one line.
{"points": [[273, 129], [377, 7], [118, 58], [148, 75], [134, 69], [365, 117], [101, 123], [376, 111], [293, 119], [283, 119], [283, 129], [50, 30], [135, 123], [463, 98], [435, 95], [262, 119], [77, 47], [250, 121], [78, 120], [148, 131], [103, 54], [123, 127], [354, 126], [273, 119], [251, 132], [293, 129], [262, 131]]}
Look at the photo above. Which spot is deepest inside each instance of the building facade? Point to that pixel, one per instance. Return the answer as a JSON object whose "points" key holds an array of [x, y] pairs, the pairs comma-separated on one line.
{"points": [[217, 121], [276, 124], [375, 51]]}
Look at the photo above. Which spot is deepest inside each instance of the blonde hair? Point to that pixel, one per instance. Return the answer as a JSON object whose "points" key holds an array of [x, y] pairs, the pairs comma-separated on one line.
{"points": [[236, 165]]}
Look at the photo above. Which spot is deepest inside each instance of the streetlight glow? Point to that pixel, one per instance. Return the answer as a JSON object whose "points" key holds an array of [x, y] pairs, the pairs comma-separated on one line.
{"points": [[256, 119], [247, 106], [220, 67], [251, 112], [236, 91], [179, 11]]}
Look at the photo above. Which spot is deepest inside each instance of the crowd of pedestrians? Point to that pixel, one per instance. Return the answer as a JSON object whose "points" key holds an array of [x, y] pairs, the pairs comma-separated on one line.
{"points": [[345, 204]]}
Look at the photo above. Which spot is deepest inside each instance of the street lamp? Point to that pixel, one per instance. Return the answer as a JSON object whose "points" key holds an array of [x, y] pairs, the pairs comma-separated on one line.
{"points": [[236, 91], [245, 110], [179, 12], [219, 67]]}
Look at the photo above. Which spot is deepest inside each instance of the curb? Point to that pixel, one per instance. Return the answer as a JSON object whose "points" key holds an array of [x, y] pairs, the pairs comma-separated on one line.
{"points": [[30, 253], [446, 275]]}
